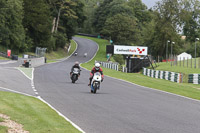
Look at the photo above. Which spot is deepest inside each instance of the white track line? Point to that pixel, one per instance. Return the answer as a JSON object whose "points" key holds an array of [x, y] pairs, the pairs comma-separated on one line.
{"points": [[95, 53], [156, 89], [37, 96], [76, 126], [42, 100], [141, 85], [3, 88], [144, 87], [67, 57], [24, 73], [7, 62]]}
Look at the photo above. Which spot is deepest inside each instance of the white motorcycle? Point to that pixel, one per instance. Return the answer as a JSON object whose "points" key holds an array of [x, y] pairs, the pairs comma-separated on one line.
{"points": [[85, 54], [95, 85], [75, 54], [74, 75]]}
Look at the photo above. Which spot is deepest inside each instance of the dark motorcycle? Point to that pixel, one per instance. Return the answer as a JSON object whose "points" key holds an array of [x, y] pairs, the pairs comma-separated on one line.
{"points": [[75, 75], [75, 54]]}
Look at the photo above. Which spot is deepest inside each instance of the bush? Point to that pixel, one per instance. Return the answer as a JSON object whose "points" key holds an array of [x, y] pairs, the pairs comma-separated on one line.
{"points": [[61, 40], [119, 58]]}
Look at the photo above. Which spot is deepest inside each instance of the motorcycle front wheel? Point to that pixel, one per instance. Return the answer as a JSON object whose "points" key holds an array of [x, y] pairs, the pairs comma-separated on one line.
{"points": [[95, 88]]}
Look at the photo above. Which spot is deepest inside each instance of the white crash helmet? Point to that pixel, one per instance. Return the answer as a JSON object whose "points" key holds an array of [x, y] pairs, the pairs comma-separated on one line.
{"points": [[97, 66], [76, 63]]}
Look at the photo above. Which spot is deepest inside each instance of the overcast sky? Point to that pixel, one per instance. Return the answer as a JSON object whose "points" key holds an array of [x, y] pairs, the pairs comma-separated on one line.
{"points": [[150, 3]]}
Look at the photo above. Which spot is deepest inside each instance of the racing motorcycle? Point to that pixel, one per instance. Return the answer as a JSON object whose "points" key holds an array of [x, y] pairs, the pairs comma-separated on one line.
{"points": [[75, 54], [75, 74], [95, 84]]}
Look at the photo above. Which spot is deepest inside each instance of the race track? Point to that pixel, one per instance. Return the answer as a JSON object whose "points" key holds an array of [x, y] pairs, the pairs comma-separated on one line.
{"points": [[118, 107]]}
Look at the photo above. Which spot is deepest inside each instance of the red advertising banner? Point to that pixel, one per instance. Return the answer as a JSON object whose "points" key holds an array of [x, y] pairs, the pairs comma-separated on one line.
{"points": [[8, 52]]}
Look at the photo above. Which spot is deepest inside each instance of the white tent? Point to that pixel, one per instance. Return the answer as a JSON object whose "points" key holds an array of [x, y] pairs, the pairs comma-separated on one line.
{"points": [[184, 56]]}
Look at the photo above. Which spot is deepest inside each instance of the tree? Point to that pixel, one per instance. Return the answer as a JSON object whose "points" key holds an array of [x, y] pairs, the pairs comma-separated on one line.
{"points": [[89, 9], [190, 16], [167, 26], [108, 9], [121, 28], [38, 23], [69, 16], [12, 34], [140, 11]]}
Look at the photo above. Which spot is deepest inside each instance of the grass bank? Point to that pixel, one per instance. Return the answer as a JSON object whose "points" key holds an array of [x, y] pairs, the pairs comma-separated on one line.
{"points": [[3, 58], [179, 68], [60, 53], [184, 89], [34, 115]]}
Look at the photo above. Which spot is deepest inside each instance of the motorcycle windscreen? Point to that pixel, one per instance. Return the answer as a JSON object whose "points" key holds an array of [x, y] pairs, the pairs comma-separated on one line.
{"points": [[76, 70]]}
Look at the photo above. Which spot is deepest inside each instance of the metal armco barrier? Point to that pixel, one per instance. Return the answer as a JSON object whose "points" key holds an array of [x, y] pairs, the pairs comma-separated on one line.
{"points": [[124, 69], [194, 78], [171, 76], [109, 65]]}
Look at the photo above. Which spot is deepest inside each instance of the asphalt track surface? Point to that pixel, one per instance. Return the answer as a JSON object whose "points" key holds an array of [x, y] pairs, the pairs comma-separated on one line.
{"points": [[118, 107], [11, 79]]}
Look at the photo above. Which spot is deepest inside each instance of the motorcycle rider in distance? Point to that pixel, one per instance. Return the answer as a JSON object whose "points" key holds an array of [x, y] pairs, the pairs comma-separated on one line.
{"points": [[76, 65], [95, 69], [75, 53]]}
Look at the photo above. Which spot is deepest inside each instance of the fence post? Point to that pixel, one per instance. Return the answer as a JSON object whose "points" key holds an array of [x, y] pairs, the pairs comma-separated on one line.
{"points": [[191, 62], [199, 62]]}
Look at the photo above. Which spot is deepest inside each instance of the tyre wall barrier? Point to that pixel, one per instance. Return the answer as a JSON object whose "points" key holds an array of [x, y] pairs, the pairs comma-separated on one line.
{"points": [[171, 76], [194, 78]]}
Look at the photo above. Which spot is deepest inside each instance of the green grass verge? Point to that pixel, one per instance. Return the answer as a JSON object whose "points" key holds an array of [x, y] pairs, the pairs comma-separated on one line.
{"points": [[27, 71], [60, 53], [3, 129], [3, 58], [184, 89], [187, 70], [34, 115], [166, 66], [1, 119]]}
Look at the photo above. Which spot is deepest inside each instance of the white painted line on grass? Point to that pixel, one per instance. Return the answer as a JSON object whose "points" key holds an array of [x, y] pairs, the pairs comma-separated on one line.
{"points": [[76, 126]]}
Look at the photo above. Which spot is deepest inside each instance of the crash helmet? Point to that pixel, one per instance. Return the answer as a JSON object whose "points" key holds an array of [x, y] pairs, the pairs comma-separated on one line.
{"points": [[76, 63], [97, 66]]}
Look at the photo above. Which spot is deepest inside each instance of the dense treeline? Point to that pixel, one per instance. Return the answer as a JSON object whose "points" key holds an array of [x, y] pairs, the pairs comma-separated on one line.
{"points": [[130, 22], [27, 24]]}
